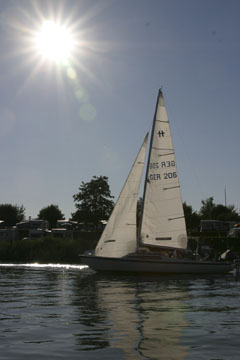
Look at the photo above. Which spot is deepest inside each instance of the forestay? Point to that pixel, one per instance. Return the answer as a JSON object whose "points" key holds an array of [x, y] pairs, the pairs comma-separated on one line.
{"points": [[163, 222], [119, 236]]}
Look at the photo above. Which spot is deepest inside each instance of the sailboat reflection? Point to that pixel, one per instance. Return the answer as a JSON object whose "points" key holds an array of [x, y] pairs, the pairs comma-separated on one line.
{"points": [[147, 317]]}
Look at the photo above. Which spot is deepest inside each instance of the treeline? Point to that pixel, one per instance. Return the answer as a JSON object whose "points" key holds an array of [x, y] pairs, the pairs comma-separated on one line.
{"points": [[94, 203], [67, 251], [209, 211], [47, 249]]}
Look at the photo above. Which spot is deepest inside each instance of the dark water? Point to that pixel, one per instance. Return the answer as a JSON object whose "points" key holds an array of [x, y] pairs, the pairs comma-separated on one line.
{"points": [[51, 312]]}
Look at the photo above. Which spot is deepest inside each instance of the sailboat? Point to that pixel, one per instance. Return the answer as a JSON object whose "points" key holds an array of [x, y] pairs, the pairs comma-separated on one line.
{"points": [[158, 244]]}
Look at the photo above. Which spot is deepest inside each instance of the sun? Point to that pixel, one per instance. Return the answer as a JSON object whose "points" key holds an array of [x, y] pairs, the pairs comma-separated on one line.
{"points": [[54, 42]]}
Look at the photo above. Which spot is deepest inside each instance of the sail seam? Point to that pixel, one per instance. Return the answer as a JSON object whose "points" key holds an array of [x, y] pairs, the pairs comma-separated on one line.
{"points": [[179, 217], [161, 149], [175, 216], [173, 187], [165, 154], [164, 121]]}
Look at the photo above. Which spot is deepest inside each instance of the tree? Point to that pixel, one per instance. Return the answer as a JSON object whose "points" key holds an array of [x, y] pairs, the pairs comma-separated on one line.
{"points": [[52, 214], [212, 211], [93, 201], [206, 211], [192, 218], [225, 213], [11, 214]]}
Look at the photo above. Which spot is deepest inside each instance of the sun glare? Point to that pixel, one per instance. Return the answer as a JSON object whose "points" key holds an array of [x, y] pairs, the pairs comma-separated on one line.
{"points": [[54, 42]]}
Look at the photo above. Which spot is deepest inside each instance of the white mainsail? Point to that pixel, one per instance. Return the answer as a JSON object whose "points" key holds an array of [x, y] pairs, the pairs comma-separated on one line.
{"points": [[163, 221], [119, 236]]}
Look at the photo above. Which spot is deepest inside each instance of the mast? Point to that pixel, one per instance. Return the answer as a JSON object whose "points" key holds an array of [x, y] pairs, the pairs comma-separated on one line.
{"points": [[225, 196], [147, 169]]}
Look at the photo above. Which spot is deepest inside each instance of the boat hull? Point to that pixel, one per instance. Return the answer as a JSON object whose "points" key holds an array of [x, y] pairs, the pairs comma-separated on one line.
{"points": [[156, 266]]}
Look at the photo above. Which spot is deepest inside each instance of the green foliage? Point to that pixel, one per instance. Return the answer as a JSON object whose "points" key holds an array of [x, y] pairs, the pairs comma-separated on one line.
{"points": [[47, 250], [11, 214], [206, 211], [66, 251], [211, 211], [52, 214], [218, 244], [192, 218], [225, 213], [93, 201]]}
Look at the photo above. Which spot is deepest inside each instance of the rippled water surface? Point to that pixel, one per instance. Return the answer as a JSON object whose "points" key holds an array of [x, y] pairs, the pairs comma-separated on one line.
{"points": [[70, 312]]}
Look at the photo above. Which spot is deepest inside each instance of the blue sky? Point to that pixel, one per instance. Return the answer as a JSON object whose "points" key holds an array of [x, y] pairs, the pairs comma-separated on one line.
{"points": [[57, 130]]}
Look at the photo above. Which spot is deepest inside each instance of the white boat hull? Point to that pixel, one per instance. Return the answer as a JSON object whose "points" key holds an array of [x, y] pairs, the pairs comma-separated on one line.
{"points": [[157, 266]]}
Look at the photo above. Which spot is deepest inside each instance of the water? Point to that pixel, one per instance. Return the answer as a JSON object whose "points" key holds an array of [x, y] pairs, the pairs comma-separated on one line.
{"points": [[69, 312]]}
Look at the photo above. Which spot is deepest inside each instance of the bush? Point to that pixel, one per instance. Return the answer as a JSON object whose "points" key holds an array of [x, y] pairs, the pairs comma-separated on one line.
{"points": [[46, 250]]}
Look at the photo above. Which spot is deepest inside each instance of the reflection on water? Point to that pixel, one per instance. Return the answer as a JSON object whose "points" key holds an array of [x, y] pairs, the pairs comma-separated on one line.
{"points": [[147, 320], [66, 311]]}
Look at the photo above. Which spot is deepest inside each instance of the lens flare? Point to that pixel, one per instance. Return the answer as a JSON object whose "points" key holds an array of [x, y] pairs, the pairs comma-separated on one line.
{"points": [[87, 112]]}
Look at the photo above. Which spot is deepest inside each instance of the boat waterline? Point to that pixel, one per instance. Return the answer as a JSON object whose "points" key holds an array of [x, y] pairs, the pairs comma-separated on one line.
{"points": [[141, 265]]}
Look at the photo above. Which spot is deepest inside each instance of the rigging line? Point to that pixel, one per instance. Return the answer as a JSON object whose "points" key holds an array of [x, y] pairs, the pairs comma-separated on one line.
{"points": [[147, 168]]}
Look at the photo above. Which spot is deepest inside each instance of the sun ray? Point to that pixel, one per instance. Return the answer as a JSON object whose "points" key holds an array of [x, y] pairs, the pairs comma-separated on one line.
{"points": [[85, 57]]}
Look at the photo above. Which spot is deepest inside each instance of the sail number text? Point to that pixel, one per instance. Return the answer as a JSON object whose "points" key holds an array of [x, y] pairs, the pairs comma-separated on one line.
{"points": [[165, 176], [163, 164]]}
